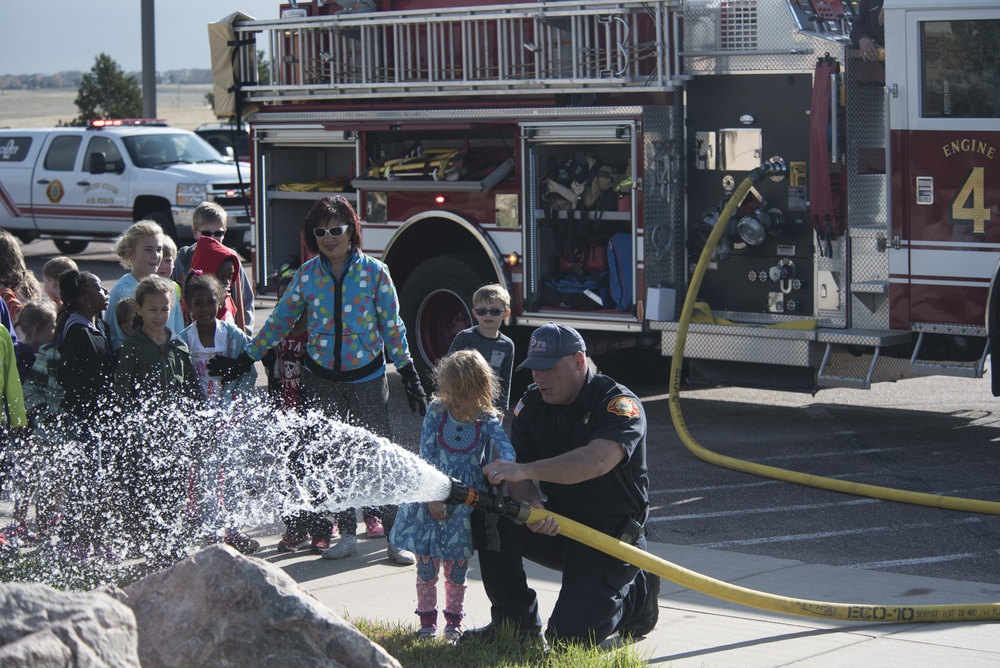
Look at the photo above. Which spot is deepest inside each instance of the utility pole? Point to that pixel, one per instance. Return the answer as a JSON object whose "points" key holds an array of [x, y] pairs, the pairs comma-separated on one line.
{"points": [[148, 59]]}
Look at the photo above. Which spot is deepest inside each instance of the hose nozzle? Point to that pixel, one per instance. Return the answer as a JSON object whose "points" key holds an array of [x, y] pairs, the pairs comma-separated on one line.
{"points": [[491, 503]]}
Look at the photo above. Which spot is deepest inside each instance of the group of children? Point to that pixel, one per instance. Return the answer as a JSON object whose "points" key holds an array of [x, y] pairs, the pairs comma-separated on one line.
{"points": [[141, 354], [99, 358]]}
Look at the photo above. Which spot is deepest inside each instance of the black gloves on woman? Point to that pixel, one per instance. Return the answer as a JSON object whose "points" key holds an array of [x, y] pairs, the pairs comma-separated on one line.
{"points": [[229, 368], [414, 390]]}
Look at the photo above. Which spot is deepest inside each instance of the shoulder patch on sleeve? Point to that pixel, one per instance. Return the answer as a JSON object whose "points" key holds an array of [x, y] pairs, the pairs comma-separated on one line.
{"points": [[520, 405], [623, 406]]}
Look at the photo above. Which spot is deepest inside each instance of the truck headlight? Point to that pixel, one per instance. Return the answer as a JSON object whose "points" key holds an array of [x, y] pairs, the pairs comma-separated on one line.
{"points": [[191, 194]]}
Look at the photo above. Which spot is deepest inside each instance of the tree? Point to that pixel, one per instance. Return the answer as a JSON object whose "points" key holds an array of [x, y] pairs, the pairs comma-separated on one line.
{"points": [[107, 92]]}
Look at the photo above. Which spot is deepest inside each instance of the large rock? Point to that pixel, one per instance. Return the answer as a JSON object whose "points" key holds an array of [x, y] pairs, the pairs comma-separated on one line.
{"points": [[218, 608], [41, 627]]}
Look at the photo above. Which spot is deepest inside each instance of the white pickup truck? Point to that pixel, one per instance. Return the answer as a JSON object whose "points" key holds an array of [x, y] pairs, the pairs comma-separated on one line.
{"points": [[76, 185]]}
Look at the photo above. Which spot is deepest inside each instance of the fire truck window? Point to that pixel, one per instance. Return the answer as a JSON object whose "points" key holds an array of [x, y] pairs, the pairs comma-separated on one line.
{"points": [[960, 62], [112, 157], [61, 156]]}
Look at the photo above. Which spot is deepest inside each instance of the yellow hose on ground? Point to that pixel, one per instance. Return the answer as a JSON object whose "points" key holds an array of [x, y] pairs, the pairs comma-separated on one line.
{"points": [[892, 612], [861, 489]]}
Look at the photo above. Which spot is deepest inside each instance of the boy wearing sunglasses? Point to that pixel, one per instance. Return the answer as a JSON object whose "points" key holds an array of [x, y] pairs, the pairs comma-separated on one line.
{"points": [[490, 306], [209, 220]]}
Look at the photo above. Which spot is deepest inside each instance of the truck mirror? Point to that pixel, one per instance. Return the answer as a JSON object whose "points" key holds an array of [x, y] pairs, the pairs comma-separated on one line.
{"points": [[98, 163]]}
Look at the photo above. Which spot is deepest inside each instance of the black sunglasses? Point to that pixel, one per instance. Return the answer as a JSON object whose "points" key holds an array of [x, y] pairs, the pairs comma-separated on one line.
{"points": [[218, 234], [492, 311], [335, 231]]}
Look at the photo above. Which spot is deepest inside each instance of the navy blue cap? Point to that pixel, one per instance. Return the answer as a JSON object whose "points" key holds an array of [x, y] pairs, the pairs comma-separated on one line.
{"points": [[549, 344]]}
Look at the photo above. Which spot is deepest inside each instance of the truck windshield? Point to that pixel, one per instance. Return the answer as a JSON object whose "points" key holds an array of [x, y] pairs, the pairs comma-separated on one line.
{"points": [[159, 150]]}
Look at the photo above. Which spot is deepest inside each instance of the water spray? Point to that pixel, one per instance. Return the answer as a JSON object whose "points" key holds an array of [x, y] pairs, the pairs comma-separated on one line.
{"points": [[890, 612]]}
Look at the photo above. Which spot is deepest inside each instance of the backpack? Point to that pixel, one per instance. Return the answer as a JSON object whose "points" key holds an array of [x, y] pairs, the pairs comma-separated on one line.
{"points": [[620, 269], [578, 293]]}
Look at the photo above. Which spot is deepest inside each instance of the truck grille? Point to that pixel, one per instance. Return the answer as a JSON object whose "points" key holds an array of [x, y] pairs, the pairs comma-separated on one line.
{"points": [[220, 194]]}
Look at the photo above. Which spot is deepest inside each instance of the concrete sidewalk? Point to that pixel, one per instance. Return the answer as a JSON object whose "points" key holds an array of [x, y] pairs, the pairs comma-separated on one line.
{"points": [[697, 630]]}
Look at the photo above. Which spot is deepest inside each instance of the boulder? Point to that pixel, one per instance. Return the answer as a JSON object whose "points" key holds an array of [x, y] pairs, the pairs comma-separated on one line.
{"points": [[42, 627], [219, 608]]}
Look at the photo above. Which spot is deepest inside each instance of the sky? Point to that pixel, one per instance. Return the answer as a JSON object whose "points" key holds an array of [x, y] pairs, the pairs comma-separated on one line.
{"points": [[49, 36]]}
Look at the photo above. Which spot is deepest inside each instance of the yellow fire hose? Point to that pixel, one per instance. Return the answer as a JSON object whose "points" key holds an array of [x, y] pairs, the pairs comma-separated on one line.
{"points": [[861, 489], [522, 512], [887, 613], [762, 600]]}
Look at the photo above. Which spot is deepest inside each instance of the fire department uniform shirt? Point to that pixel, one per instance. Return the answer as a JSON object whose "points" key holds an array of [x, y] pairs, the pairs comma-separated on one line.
{"points": [[349, 319], [604, 409]]}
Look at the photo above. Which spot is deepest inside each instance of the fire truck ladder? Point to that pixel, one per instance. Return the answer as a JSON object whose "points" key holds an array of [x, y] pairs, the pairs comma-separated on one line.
{"points": [[516, 49]]}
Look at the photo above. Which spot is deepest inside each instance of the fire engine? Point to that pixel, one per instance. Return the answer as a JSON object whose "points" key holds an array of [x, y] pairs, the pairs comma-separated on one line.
{"points": [[580, 153]]}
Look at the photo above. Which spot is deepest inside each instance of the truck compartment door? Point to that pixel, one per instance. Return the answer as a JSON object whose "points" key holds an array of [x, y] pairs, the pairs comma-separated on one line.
{"points": [[581, 249]]}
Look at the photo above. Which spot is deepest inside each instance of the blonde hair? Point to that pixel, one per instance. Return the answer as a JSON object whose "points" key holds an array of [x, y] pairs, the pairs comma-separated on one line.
{"points": [[14, 273], [129, 239], [465, 375], [494, 292], [58, 265], [169, 247], [208, 212]]}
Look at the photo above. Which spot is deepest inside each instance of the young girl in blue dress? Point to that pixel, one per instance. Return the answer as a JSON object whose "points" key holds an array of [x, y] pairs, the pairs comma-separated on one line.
{"points": [[461, 423]]}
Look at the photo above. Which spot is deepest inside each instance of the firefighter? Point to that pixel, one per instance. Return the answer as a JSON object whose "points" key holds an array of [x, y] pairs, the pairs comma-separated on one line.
{"points": [[582, 437]]}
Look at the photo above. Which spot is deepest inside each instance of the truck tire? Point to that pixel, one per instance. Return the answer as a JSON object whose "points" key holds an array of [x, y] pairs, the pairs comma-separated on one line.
{"points": [[436, 304], [70, 246]]}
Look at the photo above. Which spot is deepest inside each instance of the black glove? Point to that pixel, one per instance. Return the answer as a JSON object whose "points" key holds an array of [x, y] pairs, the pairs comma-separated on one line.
{"points": [[414, 390], [229, 368]]}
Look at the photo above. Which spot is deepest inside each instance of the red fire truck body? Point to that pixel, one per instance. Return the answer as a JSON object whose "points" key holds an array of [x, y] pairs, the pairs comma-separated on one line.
{"points": [[580, 153]]}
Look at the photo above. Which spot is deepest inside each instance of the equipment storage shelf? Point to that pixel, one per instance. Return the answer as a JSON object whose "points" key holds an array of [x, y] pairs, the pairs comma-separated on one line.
{"points": [[580, 231], [311, 195], [295, 174]]}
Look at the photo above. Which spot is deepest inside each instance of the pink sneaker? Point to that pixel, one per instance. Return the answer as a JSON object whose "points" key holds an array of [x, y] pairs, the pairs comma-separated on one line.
{"points": [[373, 527]]}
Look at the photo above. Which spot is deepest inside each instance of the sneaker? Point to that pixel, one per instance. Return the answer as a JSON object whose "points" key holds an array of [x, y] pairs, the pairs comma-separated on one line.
{"points": [[347, 546], [292, 542], [404, 557], [19, 534], [452, 634], [373, 527], [644, 622], [319, 545], [426, 633], [241, 542]]}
